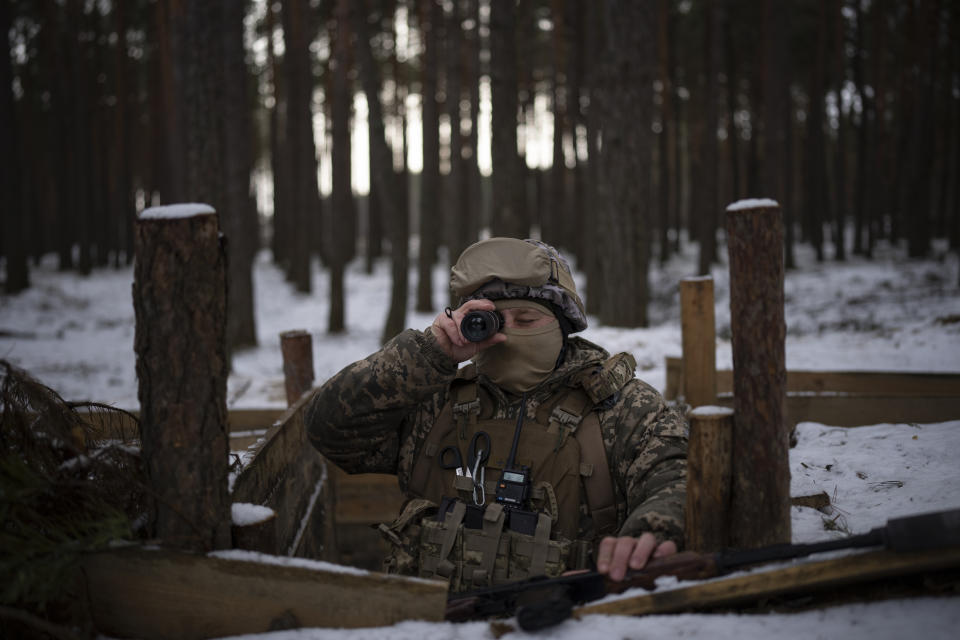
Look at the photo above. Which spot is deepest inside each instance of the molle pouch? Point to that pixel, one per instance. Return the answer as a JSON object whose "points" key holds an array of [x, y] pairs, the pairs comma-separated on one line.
{"points": [[535, 555], [404, 535], [441, 546]]}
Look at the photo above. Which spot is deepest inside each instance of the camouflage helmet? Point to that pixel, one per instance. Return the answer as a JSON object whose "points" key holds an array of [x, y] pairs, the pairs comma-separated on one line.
{"points": [[500, 268]]}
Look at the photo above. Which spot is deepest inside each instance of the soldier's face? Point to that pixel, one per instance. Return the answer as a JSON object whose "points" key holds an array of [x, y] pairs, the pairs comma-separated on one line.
{"points": [[526, 318]]}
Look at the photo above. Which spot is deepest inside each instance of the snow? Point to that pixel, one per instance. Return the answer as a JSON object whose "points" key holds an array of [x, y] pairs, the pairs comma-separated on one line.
{"points": [[76, 334], [752, 203], [284, 561], [710, 410], [244, 514], [174, 211]]}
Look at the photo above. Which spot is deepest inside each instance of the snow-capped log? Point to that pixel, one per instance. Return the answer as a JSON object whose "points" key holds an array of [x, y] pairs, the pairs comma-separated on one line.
{"points": [[709, 463], [179, 300], [760, 487]]}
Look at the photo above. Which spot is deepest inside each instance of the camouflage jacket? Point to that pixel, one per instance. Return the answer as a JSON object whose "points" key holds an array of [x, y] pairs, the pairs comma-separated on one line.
{"points": [[374, 415]]}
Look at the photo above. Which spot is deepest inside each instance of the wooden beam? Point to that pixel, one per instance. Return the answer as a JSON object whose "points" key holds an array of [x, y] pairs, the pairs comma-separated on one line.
{"points": [[872, 383], [800, 579], [367, 498], [285, 475], [154, 594], [709, 464], [698, 329], [859, 410], [759, 512]]}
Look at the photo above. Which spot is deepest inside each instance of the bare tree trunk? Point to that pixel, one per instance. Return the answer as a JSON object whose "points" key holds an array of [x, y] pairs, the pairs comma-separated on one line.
{"points": [[711, 154], [300, 164], [431, 16], [237, 209], [14, 247], [383, 182], [179, 297], [507, 215], [668, 151], [340, 230], [457, 222], [625, 162], [840, 170]]}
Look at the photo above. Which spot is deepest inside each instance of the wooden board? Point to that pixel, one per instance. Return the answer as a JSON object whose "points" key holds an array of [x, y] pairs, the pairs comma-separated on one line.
{"points": [[246, 425], [854, 411], [289, 476], [802, 578], [872, 383], [367, 498], [136, 593]]}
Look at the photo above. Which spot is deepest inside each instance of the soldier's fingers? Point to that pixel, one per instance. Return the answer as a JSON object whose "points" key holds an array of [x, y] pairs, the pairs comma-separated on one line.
{"points": [[665, 548], [605, 554], [641, 553], [622, 553]]}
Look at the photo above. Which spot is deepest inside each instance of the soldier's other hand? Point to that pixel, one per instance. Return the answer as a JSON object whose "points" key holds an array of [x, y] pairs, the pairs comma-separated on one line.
{"points": [[617, 555], [446, 329]]}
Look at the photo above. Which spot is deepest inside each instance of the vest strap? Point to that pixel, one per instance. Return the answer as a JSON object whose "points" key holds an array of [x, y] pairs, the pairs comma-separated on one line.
{"points": [[451, 526], [466, 406], [598, 484], [568, 414], [541, 544], [493, 519]]}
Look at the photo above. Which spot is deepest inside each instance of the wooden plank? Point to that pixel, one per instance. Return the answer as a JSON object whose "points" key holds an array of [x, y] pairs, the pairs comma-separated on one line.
{"points": [[284, 475], [872, 383], [859, 410], [367, 498], [154, 594], [803, 578], [699, 341], [119, 424]]}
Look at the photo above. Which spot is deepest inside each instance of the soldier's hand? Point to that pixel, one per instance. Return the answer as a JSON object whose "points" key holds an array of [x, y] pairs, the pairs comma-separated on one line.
{"points": [[446, 329], [616, 555]]}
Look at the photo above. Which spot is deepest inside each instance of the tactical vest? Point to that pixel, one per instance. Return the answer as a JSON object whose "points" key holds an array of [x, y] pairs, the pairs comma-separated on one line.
{"points": [[445, 533]]}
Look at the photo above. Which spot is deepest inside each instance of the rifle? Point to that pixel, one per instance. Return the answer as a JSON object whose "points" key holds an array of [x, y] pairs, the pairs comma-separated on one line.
{"points": [[541, 602]]}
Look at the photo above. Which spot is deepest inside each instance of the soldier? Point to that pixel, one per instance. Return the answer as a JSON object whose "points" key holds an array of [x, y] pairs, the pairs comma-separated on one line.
{"points": [[542, 455]]}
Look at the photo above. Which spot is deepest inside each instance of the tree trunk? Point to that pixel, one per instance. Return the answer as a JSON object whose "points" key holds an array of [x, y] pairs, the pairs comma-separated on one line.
{"points": [[760, 491], [300, 164], [840, 170], [14, 247], [431, 16], [179, 297], [711, 155], [666, 184], [340, 230], [507, 214], [815, 183], [457, 222], [383, 182], [624, 188], [237, 210]]}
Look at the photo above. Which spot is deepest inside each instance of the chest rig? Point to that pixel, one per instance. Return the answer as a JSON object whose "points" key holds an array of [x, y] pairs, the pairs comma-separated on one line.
{"points": [[458, 530]]}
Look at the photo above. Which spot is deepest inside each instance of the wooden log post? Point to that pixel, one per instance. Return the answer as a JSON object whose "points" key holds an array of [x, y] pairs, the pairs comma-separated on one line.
{"points": [[699, 337], [708, 478], [179, 299], [297, 349], [760, 488]]}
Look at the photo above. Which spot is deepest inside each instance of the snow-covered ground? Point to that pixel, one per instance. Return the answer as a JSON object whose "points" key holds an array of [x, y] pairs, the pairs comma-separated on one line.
{"points": [[76, 335]]}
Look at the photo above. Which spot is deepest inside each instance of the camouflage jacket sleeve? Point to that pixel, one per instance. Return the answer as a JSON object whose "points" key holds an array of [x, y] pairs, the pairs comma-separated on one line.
{"points": [[364, 415], [646, 443]]}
